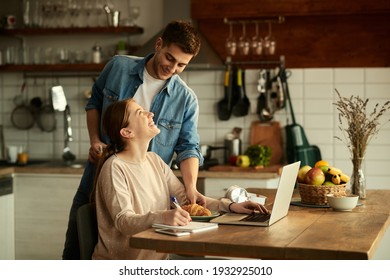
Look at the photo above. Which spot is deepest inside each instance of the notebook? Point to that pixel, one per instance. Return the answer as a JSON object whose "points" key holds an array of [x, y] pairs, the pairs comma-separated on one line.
{"points": [[191, 227], [281, 204]]}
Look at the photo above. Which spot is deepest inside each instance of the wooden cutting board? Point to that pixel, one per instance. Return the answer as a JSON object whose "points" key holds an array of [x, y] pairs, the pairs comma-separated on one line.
{"points": [[230, 168], [268, 134]]}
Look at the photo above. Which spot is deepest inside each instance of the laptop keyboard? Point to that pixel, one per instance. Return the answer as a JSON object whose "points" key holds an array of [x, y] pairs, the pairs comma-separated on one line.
{"points": [[256, 217]]}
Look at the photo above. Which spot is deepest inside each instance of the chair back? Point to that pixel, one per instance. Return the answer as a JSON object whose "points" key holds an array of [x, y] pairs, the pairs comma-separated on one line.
{"points": [[87, 230]]}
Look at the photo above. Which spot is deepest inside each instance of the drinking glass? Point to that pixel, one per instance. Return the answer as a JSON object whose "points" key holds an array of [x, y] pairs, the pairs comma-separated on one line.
{"points": [[269, 41], [257, 42], [243, 41], [134, 13], [74, 12], [231, 44], [98, 12]]}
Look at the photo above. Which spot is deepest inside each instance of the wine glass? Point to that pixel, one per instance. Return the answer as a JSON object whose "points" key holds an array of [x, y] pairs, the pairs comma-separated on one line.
{"points": [[73, 10], [231, 44], [47, 9], [243, 41], [257, 42], [98, 12], [87, 9], [269, 41], [134, 12], [60, 10]]}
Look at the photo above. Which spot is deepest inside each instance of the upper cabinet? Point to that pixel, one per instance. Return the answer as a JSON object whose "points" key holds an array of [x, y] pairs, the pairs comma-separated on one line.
{"points": [[322, 33]]}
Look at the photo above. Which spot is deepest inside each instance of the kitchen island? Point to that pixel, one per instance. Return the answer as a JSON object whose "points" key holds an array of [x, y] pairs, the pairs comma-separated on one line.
{"points": [[43, 192], [306, 233]]}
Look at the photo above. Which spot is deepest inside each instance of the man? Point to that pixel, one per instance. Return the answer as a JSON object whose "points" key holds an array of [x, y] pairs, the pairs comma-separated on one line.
{"points": [[154, 83]]}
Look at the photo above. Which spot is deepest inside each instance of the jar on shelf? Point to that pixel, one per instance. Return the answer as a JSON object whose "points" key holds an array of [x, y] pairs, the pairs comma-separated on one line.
{"points": [[97, 54]]}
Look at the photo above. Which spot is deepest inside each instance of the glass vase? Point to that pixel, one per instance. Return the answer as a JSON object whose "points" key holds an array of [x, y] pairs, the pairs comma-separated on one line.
{"points": [[358, 181]]}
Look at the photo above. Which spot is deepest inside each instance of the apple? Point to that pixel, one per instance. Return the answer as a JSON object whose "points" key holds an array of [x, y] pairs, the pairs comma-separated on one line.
{"points": [[315, 177], [324, 169], [302, 173], [243, 161]]}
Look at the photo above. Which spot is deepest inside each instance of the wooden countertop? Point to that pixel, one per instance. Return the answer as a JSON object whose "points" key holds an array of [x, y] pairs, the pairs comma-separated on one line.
{"points": [[47, 168], [57, 167], [306, 233]]}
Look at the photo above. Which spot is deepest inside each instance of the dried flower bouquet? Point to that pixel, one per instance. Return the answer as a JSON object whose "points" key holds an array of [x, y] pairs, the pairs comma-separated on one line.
{"points": [[358, 128]]}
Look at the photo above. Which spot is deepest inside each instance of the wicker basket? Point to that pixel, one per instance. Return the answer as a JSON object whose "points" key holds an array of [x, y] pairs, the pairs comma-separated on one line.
{"points": [[316, 195]]}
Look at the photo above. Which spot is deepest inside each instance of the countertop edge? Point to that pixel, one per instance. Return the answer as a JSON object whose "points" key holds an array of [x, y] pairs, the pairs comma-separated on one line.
{"points": [[79, 171]]}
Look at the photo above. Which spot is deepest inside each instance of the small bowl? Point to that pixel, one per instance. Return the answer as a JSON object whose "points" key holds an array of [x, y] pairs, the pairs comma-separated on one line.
{"points": [[342, 203]]}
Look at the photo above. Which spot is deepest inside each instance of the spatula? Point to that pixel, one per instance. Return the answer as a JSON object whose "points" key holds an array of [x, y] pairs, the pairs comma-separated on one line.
{"points": [[241, 108], [224, 107]]}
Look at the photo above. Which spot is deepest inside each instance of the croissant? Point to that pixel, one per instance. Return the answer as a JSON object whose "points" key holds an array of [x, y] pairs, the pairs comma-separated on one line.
{"points": [[196, 210]]}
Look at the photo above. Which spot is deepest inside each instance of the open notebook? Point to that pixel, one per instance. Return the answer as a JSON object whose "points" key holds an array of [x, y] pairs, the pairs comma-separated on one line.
{"points": [[280, 207], [191, 227]]}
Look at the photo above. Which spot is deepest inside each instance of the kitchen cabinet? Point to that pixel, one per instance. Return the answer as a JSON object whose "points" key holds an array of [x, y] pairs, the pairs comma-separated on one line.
{"points": [[217, 187], [42, 204], [81, 67], [7, 241], [324, 33], [215, 184]]}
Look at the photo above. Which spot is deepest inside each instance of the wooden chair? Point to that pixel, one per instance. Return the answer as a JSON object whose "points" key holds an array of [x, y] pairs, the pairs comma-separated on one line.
{"points": [[87, 230]]}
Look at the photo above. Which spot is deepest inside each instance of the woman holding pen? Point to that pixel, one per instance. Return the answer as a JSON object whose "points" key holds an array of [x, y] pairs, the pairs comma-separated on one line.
{"points": [[133, 187]]}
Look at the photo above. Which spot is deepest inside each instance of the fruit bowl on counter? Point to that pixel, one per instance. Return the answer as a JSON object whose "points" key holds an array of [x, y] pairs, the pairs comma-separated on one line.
{"points": [[317, 195], [315, 183]]}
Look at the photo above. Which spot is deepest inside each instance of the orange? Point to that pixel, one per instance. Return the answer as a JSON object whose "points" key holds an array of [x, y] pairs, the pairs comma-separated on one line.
{"points": [[321, 163]]}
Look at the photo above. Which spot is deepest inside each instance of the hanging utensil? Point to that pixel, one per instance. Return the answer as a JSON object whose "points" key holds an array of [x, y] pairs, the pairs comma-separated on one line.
{"points": [[46, 119], [263, 110], [58, 98], [241, 108], [281, 98], [68, 156], [22, 116], [224, 107]]}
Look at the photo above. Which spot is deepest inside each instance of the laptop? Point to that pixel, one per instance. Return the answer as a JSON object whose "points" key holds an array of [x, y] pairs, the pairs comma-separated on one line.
{"points": [[280, 207]]}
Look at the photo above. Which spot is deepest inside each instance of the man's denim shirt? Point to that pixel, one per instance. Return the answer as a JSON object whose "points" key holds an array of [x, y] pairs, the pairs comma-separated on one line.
{"points": [[175, 108]]}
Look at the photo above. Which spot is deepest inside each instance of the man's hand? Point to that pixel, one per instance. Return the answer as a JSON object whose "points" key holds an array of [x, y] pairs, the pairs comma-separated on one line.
{"points": [[194, 196], [96, 151]]}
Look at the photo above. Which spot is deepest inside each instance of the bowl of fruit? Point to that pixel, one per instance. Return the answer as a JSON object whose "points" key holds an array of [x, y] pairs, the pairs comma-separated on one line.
{"points": [[315, 183]]}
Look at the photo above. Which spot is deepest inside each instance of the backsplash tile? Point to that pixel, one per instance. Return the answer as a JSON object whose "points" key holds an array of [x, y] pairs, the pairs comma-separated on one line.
{"points": [[312, 92]]}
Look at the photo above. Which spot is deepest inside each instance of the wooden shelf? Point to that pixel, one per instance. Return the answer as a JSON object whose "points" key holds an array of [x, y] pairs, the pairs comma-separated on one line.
{"points": [[62, 68], [131, 30], [87, 67]]}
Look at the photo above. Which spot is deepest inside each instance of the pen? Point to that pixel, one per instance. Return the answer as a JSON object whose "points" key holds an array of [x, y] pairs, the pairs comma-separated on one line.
{"points": [[175, 202]]}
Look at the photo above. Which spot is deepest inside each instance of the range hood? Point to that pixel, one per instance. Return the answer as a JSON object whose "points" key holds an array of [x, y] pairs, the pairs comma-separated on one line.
{"points": [[207, 58]]}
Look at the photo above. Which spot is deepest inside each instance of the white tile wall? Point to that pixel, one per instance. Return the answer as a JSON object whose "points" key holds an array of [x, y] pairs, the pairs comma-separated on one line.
{"points": [[312, 92]]}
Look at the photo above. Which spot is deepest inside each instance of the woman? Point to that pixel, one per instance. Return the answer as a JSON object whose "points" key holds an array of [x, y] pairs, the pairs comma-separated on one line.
{"points": [[133, 186]]}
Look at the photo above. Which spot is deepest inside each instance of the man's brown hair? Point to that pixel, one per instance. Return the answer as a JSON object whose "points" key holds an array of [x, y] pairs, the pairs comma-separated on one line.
{"points": [[184, 35]]}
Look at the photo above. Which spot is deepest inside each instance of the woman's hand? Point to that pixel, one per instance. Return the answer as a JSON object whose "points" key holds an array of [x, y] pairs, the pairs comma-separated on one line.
{"points": [[247, 207], [176, 217]]}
